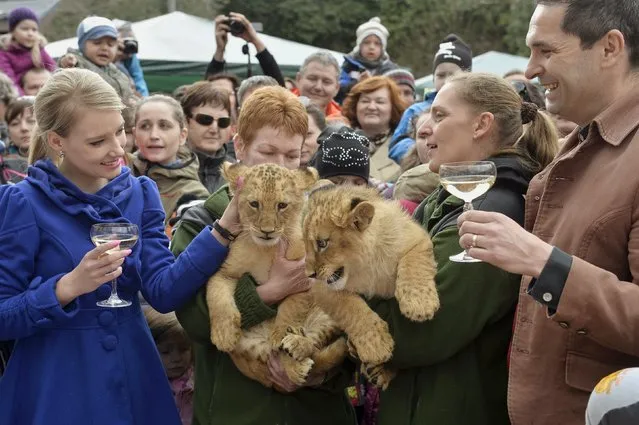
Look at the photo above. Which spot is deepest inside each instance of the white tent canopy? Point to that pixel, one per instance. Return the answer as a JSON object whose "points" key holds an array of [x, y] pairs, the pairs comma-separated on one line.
{"points": [[178, 37], [492, 62]]}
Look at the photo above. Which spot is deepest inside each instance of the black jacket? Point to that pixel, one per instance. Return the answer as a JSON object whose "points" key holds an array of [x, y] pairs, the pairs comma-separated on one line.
{"points": [[267, 63]]}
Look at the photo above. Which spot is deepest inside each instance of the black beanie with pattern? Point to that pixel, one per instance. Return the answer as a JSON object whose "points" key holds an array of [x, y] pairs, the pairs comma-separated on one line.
{"points": [[343, 153], [454, 50]]}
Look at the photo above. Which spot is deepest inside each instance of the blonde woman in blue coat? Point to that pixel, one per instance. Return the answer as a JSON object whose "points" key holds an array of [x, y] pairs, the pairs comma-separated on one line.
{"points": [[74, 362]]}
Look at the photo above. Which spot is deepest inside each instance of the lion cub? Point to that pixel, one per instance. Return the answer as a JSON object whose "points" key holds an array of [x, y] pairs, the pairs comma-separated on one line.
{"points": [[358, 243], [270, 205]]}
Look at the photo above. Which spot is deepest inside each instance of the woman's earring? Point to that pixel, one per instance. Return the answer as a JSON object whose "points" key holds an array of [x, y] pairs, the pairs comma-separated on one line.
{"points": [[61, 154]]}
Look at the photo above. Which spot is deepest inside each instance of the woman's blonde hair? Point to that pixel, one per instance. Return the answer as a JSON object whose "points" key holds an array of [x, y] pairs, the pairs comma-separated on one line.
{"points": [[537, 145], [176, 108], [57, 103]]}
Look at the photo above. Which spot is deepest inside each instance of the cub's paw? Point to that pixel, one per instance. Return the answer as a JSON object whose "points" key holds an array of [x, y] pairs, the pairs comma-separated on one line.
{"points": [[374, 344], [226, 331], [377, 375], [298, 371], [418, 304], [296, 344]]}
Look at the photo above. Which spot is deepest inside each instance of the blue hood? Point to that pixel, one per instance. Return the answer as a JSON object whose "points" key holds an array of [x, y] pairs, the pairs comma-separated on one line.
{"points": [[106, 205]]}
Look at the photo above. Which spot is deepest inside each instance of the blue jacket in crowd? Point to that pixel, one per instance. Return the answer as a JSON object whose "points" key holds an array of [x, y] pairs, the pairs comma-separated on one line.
{"points": [[82, 364], [402, 141]]}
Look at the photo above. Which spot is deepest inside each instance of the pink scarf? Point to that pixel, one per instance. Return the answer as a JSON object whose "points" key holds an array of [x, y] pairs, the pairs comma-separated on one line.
{"points": [[183, 392]]}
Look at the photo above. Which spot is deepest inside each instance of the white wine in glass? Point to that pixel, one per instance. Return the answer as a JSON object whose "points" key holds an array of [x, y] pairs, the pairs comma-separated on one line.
{"points": [[467, 181], [127, 235]]}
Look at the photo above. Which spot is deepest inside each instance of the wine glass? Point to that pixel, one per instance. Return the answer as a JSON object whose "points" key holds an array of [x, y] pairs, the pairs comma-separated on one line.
{"points": [[127, 235], [467, 181]]}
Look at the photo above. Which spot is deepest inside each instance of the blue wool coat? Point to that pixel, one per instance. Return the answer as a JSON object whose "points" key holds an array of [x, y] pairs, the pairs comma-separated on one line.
{"points": [[83, 364]]}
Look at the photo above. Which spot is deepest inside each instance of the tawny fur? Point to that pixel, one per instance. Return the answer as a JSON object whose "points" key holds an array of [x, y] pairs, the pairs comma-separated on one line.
{"points": [[383, 253], [270, 205]]}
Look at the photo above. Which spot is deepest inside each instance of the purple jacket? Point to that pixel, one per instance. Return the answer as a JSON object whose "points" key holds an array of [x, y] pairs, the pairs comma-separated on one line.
{"points": [[15, 61]]}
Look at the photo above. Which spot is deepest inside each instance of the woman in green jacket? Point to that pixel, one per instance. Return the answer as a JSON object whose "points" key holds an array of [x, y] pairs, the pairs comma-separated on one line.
{"points": [[271, 129], [452, 370], [160, 136]]}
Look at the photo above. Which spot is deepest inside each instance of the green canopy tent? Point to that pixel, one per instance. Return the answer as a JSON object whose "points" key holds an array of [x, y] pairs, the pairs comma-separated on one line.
{"points": [[175, 49]]}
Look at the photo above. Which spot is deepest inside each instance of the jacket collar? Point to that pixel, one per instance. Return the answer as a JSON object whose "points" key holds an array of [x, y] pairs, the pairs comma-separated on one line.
{"points": [[617, 121]]}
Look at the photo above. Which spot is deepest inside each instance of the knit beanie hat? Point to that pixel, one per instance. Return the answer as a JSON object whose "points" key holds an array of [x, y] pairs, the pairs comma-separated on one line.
{"points": [[454, 50], [343, 153], [402, 76], [20, 14], [95, 27], [372, 27]]}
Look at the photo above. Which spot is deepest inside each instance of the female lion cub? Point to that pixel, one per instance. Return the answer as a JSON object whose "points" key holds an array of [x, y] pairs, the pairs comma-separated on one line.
{"points": [[270, 205], [358, 243]]}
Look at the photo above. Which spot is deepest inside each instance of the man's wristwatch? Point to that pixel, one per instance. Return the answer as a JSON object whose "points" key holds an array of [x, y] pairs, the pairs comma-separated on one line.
{"points": [[223, 232]]}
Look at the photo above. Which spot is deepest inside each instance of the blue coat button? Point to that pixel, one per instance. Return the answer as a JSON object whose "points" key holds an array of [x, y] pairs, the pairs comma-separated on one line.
{"points": [[110, 342], [105, 318], [103, 292]]}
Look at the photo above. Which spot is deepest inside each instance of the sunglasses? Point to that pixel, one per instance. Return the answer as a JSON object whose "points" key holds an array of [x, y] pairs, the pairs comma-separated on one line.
{"points": [[206, 120]]}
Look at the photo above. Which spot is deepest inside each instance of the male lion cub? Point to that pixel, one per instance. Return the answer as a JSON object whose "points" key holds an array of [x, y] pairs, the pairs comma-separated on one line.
{"points": [[270, 205], [358, 243]]}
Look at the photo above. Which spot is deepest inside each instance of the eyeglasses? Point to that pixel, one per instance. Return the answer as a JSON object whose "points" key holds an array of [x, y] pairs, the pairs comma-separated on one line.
{"points": [[206, 120]]}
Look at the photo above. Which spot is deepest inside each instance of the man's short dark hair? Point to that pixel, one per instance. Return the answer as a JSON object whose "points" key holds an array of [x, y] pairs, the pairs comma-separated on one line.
{"points": [[225, 76], [590, 20], [203, 93]]}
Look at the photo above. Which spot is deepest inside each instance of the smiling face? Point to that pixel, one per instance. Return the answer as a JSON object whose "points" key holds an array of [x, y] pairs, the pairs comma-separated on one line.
{"points": [[92, 149], [421, 137], [371, 48], [449, 130], [26, 33], [101, 51], [208, 138], [158, 135], [374, 110], [20, 129], [569, 73], [319, 83]]}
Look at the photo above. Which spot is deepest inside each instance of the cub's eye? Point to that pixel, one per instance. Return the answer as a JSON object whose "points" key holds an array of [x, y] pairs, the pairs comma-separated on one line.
{"points": [[254, 204], [322, 244], [282, 206]]}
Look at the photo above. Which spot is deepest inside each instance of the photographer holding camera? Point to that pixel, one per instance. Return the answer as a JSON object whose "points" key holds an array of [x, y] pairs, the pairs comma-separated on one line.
{"points": [[239, 26], [127, 59]]}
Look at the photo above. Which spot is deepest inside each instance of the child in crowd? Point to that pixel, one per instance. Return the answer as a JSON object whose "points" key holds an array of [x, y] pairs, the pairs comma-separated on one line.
{"points": [[160, 133], [177, 358], [22, 49], [98, 46], [343, 158], [368, 58]]}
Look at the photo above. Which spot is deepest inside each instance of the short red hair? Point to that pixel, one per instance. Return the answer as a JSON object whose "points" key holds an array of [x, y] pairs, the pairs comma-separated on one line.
{"points": [[275, 107]]}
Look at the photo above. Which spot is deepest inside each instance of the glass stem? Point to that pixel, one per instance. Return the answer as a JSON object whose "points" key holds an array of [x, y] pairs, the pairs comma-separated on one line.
{"points": [[114, 288], [468, 206]]}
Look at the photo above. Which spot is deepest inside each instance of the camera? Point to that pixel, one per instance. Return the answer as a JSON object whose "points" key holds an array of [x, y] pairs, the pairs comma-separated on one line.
{"points": [[130, 46], [237, 28]]}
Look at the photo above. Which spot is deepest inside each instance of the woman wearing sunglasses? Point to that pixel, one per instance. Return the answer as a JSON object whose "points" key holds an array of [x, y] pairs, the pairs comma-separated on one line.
{"points": [[208, 118]]}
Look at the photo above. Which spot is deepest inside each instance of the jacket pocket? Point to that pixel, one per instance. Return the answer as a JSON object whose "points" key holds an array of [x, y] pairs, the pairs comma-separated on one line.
{"points": [[583, 373]]}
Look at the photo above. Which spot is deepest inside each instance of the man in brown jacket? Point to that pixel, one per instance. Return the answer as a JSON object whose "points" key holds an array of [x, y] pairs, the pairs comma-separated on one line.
{"points": [[578, 314]]}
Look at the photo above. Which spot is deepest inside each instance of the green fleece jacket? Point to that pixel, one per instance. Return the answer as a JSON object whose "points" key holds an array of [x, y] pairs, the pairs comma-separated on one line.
{"points": [[223, 396], [175, 183], [452, 370]]}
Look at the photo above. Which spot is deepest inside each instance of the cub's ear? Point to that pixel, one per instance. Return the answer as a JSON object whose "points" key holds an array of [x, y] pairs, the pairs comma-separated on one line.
{"points": [[306, 177], [232, 173], [361, 214]]}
